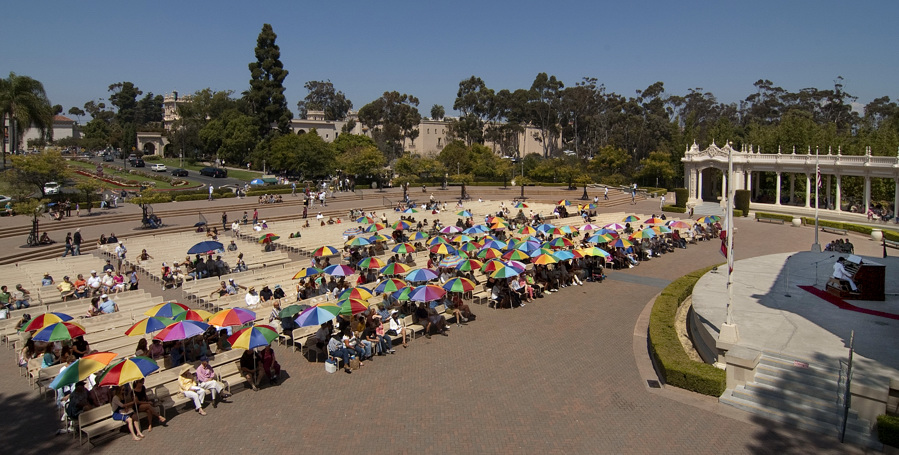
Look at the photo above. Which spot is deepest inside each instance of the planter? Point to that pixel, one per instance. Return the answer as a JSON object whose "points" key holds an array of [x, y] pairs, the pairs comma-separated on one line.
{"points": [[797, 221], [876, 235]]}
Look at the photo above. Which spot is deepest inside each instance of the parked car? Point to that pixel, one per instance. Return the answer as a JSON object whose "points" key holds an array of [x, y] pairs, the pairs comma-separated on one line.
{"points": [[51, 188], [214, 172], [109, 157], [139, 163], [178, 172], [158, 167]]}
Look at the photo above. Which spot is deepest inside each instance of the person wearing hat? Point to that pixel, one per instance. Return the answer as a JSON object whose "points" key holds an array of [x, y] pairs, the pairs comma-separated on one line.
{"points": [[107, 306], [21, 297], [191, 389], [47, 280], [252, 297], [93, 282], [107, 282], [266, 295], [206, 379], [108, 266], [278, 293]]}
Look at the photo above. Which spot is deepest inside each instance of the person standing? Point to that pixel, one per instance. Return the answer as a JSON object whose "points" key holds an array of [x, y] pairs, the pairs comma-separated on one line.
{"points": [[255, 216], [210, 191], [305, 211], [662, 203], [224, 221], [69, 248], [76, 242], [293, 189], [605, 194]]}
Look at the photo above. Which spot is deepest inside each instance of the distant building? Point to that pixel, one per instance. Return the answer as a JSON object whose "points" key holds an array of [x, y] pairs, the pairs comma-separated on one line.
{"points": [[63, 127]]}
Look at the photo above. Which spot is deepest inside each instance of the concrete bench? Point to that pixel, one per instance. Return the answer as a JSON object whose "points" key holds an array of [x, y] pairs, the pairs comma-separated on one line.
{"points": [[891, 243], [833, 230], [769, 219], [99, 421]]}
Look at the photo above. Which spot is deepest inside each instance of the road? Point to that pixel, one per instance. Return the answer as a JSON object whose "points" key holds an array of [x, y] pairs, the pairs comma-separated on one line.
{"points": [[194, 176]]}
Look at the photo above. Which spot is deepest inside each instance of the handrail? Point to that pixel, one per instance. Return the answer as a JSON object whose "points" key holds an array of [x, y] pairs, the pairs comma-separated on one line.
{"points": [[847, 395]]}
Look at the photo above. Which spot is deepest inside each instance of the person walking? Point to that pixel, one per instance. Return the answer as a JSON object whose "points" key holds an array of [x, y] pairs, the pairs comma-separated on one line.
{"points": [[224, 221], [662, 203], [69, 248], [76, 242], [293, 189], [605, 194], [210, 191]]}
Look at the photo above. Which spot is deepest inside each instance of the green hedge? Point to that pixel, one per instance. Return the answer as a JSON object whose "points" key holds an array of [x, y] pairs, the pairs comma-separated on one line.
{"points": [[888, 430], [860, 228], [741, 201], [673, 363], [674, 208], [200, 197], [776, 216], [681, 195]]}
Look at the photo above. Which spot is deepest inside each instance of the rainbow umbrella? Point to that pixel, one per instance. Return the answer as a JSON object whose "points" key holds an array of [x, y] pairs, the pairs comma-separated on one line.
{"points": [[371, 263], [613, 227], [400, 225], [621, 243], [451, 261], [601, 238], [149, 325], [46, 319], [403, 294], [559, 242], [459, 284], [193, 315], [268, 238], [58, 331], [451, 229], [545, 227], [366, 220], [421, 275], [352, 306], [232, 317], [492, 266], [253, 337], [82, 368], [403, 248], [563, 255], [490, 253], [357, 241], [419, 236], [469, 265], [181, 331], [468, 247], [564, 202], [662, 229], [709, 219], [589, 227], [505, 272], [462, 238], [630, 219], [326, 251], [357, 292], [516, 255], [654, 220], [410, 210], [395, 268], [539, 251], [317, 315], [352, 232], [464, 213], [167, 310], [378, 238], [437, 240], [496, 244], [128, 370], [390, 285], [339, 270], [517, 265], [594, 251], [544, 259], [443, 249], [644, 234], [306, 272], [476, 229], [520, 205], [292, 310], [375, 227], [427, 293], [678, 224], [526, 230], [499, 226]]}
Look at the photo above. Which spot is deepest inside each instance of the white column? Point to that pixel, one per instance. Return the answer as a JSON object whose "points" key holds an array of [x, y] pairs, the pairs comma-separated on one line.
{"points": [[749, 182], [808, 189], [838, 203], [723, 184], [828, 191], [699, 185], [777, 192], [867, 193], [792, 188], [895, 198]]}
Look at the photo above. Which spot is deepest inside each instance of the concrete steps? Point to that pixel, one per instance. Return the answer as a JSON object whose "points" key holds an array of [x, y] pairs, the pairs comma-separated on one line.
{"points": [[801, 394]]}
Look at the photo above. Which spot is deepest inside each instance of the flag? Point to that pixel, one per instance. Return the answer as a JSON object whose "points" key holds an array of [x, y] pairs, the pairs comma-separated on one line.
{"points": [[818, 175]]}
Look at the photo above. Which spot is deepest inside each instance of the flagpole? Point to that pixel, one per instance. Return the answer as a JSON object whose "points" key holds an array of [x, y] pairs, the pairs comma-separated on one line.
{"points": [[816, 247], [729, 333]]}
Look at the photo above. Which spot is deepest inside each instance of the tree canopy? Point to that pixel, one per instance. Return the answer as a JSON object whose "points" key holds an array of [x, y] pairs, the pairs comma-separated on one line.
{"points": [[265, 98]]}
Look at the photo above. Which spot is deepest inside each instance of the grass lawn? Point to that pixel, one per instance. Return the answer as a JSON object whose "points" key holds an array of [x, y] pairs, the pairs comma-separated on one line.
{"points": [[173, 163], [122, 175]]}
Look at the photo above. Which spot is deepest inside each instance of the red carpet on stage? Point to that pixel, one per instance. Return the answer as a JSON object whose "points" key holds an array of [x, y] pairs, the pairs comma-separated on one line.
{"points": [[840, 303]]}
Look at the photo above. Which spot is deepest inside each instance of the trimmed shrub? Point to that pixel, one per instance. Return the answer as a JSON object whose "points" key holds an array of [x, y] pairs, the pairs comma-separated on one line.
{"points": [[674, 208], [680, 197], [739, 213], [776, 216], [888, 430], [151, 198], [741, 201], [673, 363], [200, 197]]}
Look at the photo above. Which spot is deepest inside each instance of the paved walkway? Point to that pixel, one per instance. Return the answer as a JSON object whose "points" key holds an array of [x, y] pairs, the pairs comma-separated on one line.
{"points": [[566, 374]]}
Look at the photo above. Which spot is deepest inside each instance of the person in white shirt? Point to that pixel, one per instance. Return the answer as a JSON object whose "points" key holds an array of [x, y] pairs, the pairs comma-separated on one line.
{"points": [[319, 216], [840, 273], [252, 297], [94, 282]]}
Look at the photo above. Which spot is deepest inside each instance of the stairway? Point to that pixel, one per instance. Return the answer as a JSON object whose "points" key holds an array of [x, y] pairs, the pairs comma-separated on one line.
{"points": [[708, 208], [811, 398]]}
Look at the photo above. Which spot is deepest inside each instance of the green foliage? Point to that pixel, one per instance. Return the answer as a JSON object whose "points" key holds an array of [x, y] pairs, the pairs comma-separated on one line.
{"points": [[392, 119], [152, 197], [265, 98], [33, 207], [674, 365], [741, 200], [231, 136], [323, 97], [31, 172], [888, 430], [280, 189], [347, 141], [23, 100], [437, 112], [776, 216], [681, 196], [860, 228], [362, 161], [674, 209], [307, 154], [657, 167], [200, 197]]}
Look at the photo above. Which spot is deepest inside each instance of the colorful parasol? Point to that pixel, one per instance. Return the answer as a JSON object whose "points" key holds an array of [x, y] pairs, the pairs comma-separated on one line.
{"points": [[390, 285], [181, 331], [306, 272], [268, 238], [193, 315], [253, 337], [403, 248], [149, 325], [459, 284], [128, 370], [371, 262], [339, 270], [418, 275], [232, 317], [395, 268], [326, 251], [59, 331], [357, 292], [427, 293], [46, 319], [318, 315], [82, 368], [167, 310], [352, 306]]}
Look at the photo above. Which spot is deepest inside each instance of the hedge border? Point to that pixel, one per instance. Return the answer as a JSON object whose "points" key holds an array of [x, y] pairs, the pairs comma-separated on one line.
{"points": [[888, 430], [673, 364]]}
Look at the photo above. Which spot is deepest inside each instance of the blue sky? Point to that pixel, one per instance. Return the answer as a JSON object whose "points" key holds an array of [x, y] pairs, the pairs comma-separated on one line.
{"points": [[77, 49]]}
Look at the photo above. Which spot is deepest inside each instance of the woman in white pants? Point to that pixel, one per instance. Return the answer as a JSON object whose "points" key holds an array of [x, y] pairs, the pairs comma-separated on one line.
{"points": [[191, 390]]}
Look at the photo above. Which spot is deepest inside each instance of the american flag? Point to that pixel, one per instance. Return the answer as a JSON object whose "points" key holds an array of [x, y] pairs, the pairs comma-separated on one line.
{"points": [[818, 175]]}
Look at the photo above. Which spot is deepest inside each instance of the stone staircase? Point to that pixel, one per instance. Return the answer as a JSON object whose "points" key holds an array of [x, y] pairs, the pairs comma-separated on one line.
{"points": [[807, 396]]}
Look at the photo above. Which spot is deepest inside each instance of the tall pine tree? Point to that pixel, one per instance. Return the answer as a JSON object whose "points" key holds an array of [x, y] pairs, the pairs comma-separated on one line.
{"points": [[266, 98]]}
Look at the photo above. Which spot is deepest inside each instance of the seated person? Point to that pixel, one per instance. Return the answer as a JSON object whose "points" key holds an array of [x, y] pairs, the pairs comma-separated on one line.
{"points": [[66, 288], [45, 239], [843, 276]]}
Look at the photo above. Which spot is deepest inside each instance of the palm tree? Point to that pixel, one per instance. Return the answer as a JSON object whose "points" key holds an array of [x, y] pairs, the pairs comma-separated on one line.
{"points": [[24, 102]]}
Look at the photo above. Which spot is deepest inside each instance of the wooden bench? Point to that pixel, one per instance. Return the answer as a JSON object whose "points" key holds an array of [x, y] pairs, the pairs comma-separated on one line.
{"points": [[833, 230], [99, 421], [769, 219], [891, 243]]}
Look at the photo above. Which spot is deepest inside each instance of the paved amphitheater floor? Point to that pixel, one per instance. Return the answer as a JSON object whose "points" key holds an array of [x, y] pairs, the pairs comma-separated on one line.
{"points": [[566, 374]]}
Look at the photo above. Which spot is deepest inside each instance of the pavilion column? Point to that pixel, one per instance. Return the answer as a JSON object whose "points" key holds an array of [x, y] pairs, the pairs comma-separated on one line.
{"points": [[828, 191], [723, 184], [867, 193], [692, 186], [839, 203], [777, 190], [808, 189], [895, 198], [699, 185], [749, 182], [792, 188], [755, 190]]}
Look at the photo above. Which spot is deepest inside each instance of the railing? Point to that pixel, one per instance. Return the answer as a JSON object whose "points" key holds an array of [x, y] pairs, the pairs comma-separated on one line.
{"points": [[847, 394]]}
